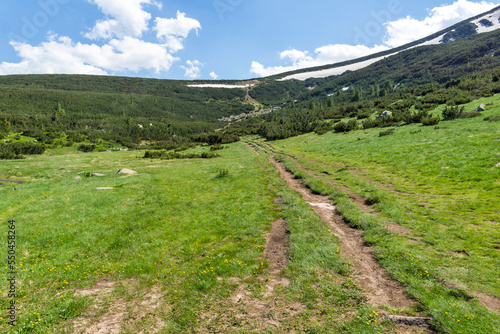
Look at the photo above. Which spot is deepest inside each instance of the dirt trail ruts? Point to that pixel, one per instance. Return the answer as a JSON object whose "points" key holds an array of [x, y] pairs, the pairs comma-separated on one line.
{"points": [[276, 247], [360, 201], [11, 181], [379, 287], [252, 147]]}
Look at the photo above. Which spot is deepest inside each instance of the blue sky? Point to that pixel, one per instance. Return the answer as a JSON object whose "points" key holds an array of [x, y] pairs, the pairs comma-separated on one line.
{"points": [[224, 39]]}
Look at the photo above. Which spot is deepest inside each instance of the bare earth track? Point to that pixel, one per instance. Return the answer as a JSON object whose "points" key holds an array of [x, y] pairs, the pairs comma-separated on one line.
{"points": [[380, 289]]}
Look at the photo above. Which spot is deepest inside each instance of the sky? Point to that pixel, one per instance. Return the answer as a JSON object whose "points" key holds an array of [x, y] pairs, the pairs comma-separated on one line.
{"points": [[210, 39]]}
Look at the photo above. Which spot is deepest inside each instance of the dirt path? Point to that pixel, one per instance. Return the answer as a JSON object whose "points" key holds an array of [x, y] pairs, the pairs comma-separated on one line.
{"points": [[252, 147], [380, 288]]}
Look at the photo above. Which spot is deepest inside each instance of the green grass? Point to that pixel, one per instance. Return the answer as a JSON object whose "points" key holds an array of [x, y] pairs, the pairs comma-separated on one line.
{"points": [[439, 182], [183, 228]]}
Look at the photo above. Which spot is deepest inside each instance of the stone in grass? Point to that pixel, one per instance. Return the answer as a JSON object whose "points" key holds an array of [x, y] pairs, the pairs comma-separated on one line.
{"points": [[78, 177], [97, 174], [126, 171], [104, 188], [498, 165], [482, 107]]}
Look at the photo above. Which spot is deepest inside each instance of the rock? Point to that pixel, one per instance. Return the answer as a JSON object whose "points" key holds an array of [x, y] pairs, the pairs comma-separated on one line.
{"points": [[104, 188], [126, 171], [482, 107], [97, 174], [498, 165], [386, 113], [78, 177]]}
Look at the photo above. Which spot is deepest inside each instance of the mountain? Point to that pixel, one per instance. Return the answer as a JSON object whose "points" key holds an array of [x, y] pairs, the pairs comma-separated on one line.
{"points": [[487, 22], [453, 66]]}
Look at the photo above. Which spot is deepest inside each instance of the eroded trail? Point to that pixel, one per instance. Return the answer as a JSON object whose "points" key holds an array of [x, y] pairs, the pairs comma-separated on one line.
{"points": [[379, 287], [252, 147]]}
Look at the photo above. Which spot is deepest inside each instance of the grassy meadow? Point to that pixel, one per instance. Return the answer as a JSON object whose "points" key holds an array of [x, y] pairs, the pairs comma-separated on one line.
{"points": [[168, 249], [437, 192], [179, 247]]}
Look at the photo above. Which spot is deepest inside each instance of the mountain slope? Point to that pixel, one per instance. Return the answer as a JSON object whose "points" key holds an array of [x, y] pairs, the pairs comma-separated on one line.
{"points": [[486, 22]]}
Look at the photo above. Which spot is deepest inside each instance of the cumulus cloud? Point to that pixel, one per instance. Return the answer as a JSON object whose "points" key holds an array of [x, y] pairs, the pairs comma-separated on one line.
{"points": [[125, 18], [397, 33], [122, 50], [193, 69], [62, 55], [214, 76], [175, 31], [408, 29]]}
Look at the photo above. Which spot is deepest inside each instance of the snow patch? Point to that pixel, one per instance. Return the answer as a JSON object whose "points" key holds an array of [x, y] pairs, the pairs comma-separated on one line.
{"points": [[333, 71], [494, 18], [220, 86], [435, 41]]}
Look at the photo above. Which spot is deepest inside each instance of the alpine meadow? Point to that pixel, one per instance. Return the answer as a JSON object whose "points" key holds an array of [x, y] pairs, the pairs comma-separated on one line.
{"points": [[357, 197]]}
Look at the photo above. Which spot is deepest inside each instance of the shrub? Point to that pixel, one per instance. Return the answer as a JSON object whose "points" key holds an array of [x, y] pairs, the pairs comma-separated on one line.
{"points": [[217, 147], [431, 120], [386, 133], [86, 147], [165, 155], [454, 112], [414, 117], [17, 149], [346, 127], [492, 118], [323, 128]]}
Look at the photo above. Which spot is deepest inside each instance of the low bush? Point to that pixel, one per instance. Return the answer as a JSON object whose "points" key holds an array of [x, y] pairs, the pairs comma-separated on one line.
{"points": [[454, 112], [218, 147], [86, 147], [166, 155], [492, 118], [431, 120], [346, 127], [386, 133], [16, 150]]}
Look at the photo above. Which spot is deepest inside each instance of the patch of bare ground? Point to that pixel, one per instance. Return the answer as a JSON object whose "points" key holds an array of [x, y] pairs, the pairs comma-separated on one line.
{"points": [[492, 303], [357, 171], [110, 315], [252, 147], [362, 204], [399, 229], [248, 313], [276, 247]]}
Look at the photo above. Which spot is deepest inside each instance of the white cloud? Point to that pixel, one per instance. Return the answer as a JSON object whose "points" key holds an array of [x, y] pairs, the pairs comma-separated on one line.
{"points": [[408, 29], [175, 31], [123, 51], [62, 55], [397, 33], [193, 69], [125, 18], [214, 76]]}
